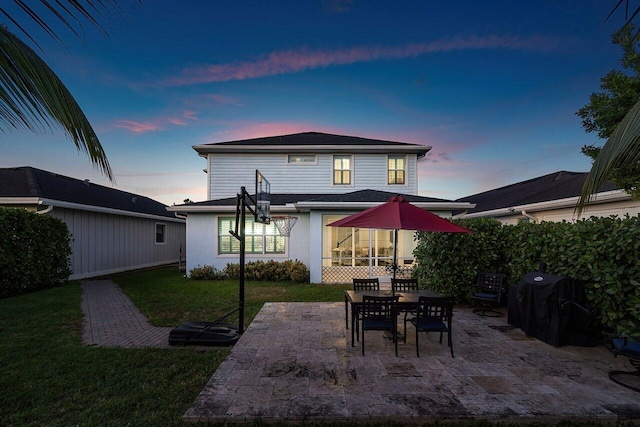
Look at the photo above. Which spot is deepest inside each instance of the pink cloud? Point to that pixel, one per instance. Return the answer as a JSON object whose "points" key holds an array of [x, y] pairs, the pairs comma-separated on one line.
{"points": [[222, 99], [157, 124], [184, 119], [136, 127], [293, 61]]}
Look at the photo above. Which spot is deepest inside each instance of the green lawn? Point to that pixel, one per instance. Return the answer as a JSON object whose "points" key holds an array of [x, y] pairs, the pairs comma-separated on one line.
{"points": [[50, 378]]}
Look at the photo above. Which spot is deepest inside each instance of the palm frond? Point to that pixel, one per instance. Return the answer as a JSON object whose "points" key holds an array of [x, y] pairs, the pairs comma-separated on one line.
{"points": [[621, 149], [32, 97]]}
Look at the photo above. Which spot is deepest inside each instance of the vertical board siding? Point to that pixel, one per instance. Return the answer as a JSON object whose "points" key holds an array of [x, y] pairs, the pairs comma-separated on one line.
{"points": [[104, 243], [229, 172]]}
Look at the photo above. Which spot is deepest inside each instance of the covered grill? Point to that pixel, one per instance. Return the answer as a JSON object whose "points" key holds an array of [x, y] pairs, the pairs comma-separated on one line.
{"points": [[552, 308]]}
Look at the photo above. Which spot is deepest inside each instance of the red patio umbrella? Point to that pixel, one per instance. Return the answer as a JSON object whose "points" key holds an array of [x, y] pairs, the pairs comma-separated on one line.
{"points": [[398, 214]]}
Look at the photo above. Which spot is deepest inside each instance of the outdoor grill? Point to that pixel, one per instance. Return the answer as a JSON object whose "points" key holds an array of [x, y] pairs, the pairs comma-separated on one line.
{"points": [[552, 308]]}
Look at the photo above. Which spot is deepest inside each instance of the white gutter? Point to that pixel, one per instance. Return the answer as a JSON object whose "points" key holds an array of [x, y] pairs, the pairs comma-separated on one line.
{"points": [[223, 209], [99, 209], [20, 201], [570, 202]]}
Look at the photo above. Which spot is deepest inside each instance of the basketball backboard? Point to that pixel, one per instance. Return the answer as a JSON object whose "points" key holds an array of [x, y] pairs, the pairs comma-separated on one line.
{"points": [[263, 199]]}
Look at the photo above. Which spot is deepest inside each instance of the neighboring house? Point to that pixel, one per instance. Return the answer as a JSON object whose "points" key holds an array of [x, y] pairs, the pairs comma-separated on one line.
{"points": [[111, 230], [550, 197], [318, 178]]}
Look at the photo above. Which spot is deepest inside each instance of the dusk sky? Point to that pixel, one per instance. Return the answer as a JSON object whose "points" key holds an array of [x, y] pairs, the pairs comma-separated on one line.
{"points": [[493, 86]]}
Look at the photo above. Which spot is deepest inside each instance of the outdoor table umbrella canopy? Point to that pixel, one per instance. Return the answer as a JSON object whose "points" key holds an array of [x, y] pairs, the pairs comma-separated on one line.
{"points": [[398, 214]]}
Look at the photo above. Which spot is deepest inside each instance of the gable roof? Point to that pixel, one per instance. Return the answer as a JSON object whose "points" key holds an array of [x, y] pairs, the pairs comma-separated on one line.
{"points": [[554, 186], [30, 183], [298, 201], [315, 142]]}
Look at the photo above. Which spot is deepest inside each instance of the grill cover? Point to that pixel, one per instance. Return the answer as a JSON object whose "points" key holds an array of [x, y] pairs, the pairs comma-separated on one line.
{"points": [[552, 308]]}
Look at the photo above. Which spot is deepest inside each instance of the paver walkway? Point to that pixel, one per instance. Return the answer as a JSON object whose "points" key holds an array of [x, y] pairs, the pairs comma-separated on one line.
{"points": [[111, 319], [295, 363]]}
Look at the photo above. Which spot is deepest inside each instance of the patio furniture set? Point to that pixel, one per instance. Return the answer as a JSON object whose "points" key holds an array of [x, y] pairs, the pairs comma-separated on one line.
{"points": [[373, 309]]}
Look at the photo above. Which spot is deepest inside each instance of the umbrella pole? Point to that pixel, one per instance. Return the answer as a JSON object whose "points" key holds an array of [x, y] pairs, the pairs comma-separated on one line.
{"points": [[395, 252]]}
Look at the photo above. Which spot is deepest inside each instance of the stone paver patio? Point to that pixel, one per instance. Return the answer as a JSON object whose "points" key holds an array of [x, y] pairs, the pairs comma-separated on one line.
{"points": [[295, 362]]}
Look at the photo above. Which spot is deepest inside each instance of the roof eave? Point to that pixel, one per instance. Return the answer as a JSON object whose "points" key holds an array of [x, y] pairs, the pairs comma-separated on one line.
{"points": [[204, 149], [569, 202]]}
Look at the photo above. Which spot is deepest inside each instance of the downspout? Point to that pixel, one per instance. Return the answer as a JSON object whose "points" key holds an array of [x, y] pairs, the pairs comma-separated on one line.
{"points": [[531, 217], [45, 211], [177, 215]]}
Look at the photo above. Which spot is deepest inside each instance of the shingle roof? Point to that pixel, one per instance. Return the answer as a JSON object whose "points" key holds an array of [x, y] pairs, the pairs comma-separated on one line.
{"points": [[311, 138], [312, 142], [370, 196], [30, 182], [554, 186]]}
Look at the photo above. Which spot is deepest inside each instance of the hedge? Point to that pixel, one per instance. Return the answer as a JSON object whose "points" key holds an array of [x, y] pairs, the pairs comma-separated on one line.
{"points": [[34, 252], [286, 271], [603, 254]]}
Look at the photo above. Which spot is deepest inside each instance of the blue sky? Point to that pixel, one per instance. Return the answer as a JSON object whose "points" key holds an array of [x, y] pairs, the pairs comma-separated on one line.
{"points": [[493, 86]]}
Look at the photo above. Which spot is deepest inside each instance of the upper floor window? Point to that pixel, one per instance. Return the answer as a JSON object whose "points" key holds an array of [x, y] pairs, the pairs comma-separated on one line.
{"points": [[301, 159], [396, 172], [161, 233], [342, 170], [259, 238]]}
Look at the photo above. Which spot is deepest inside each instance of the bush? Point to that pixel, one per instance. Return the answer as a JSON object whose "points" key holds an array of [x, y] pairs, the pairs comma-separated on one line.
{"points": [[206, 272], [34, 252], [273, 271], [600, 253]]}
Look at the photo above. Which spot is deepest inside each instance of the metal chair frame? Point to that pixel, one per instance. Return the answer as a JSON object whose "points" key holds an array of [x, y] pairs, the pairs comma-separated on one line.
{"points": [[488, 291], [379, 314], [434, 314]]}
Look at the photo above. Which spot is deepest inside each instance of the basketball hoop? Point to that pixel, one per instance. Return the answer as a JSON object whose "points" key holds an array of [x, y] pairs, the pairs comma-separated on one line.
{"points": [[284, 224]]}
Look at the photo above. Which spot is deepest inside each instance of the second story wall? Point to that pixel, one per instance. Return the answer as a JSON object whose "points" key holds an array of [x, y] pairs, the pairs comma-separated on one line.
{"points": [[228, 172]]}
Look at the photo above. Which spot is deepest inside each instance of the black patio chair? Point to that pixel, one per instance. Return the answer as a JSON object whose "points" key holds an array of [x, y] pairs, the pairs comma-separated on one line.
{"points": [[399, 285], [489, 292], [434, 314], [631, 349], [379, 314], [404, 285], [371, 284]]}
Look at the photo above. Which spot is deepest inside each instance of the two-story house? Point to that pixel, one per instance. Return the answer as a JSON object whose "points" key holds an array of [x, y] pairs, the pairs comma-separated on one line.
{"points": [[318, 178]]}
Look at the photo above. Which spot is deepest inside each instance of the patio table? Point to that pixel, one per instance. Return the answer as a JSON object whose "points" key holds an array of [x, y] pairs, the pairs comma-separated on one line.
{"points": [[407, 300]]}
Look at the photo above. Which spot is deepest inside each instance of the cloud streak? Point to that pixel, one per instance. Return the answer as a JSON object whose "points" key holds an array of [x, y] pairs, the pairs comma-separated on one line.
{"points": [[158, 124], [295, 61]]}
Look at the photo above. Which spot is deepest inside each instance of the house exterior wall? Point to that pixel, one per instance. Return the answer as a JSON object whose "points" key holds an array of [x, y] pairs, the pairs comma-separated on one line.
{"points": [[228, 172], [105, 243], [621, 208], [202, 243]]}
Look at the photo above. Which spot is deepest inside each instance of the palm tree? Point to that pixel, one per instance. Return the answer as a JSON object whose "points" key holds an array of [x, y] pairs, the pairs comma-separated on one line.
{"points": [[622, 149], [32, 97]]}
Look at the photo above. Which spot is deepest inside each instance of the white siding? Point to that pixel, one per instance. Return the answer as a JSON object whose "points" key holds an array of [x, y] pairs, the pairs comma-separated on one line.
{"points": [[228, 172], [202, 243], [105, 244]]}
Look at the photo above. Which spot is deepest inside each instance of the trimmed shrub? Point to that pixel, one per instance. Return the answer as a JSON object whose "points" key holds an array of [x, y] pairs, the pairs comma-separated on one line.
{"points": [[206, 272], [34, 252], [272, 271]]}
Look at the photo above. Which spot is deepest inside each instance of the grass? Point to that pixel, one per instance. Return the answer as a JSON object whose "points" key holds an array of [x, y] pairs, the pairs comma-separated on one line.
{"points": [[50, 377], [168, 299]]}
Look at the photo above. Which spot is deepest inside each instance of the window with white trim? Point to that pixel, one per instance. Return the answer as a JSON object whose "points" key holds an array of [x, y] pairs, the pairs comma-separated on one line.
{"points": [[259, 238], [396, 170], [342, 170], [161, 233]]}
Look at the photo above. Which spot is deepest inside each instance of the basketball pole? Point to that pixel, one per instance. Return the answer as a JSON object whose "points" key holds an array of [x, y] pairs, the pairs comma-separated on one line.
{"points": [[240, 234]]}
